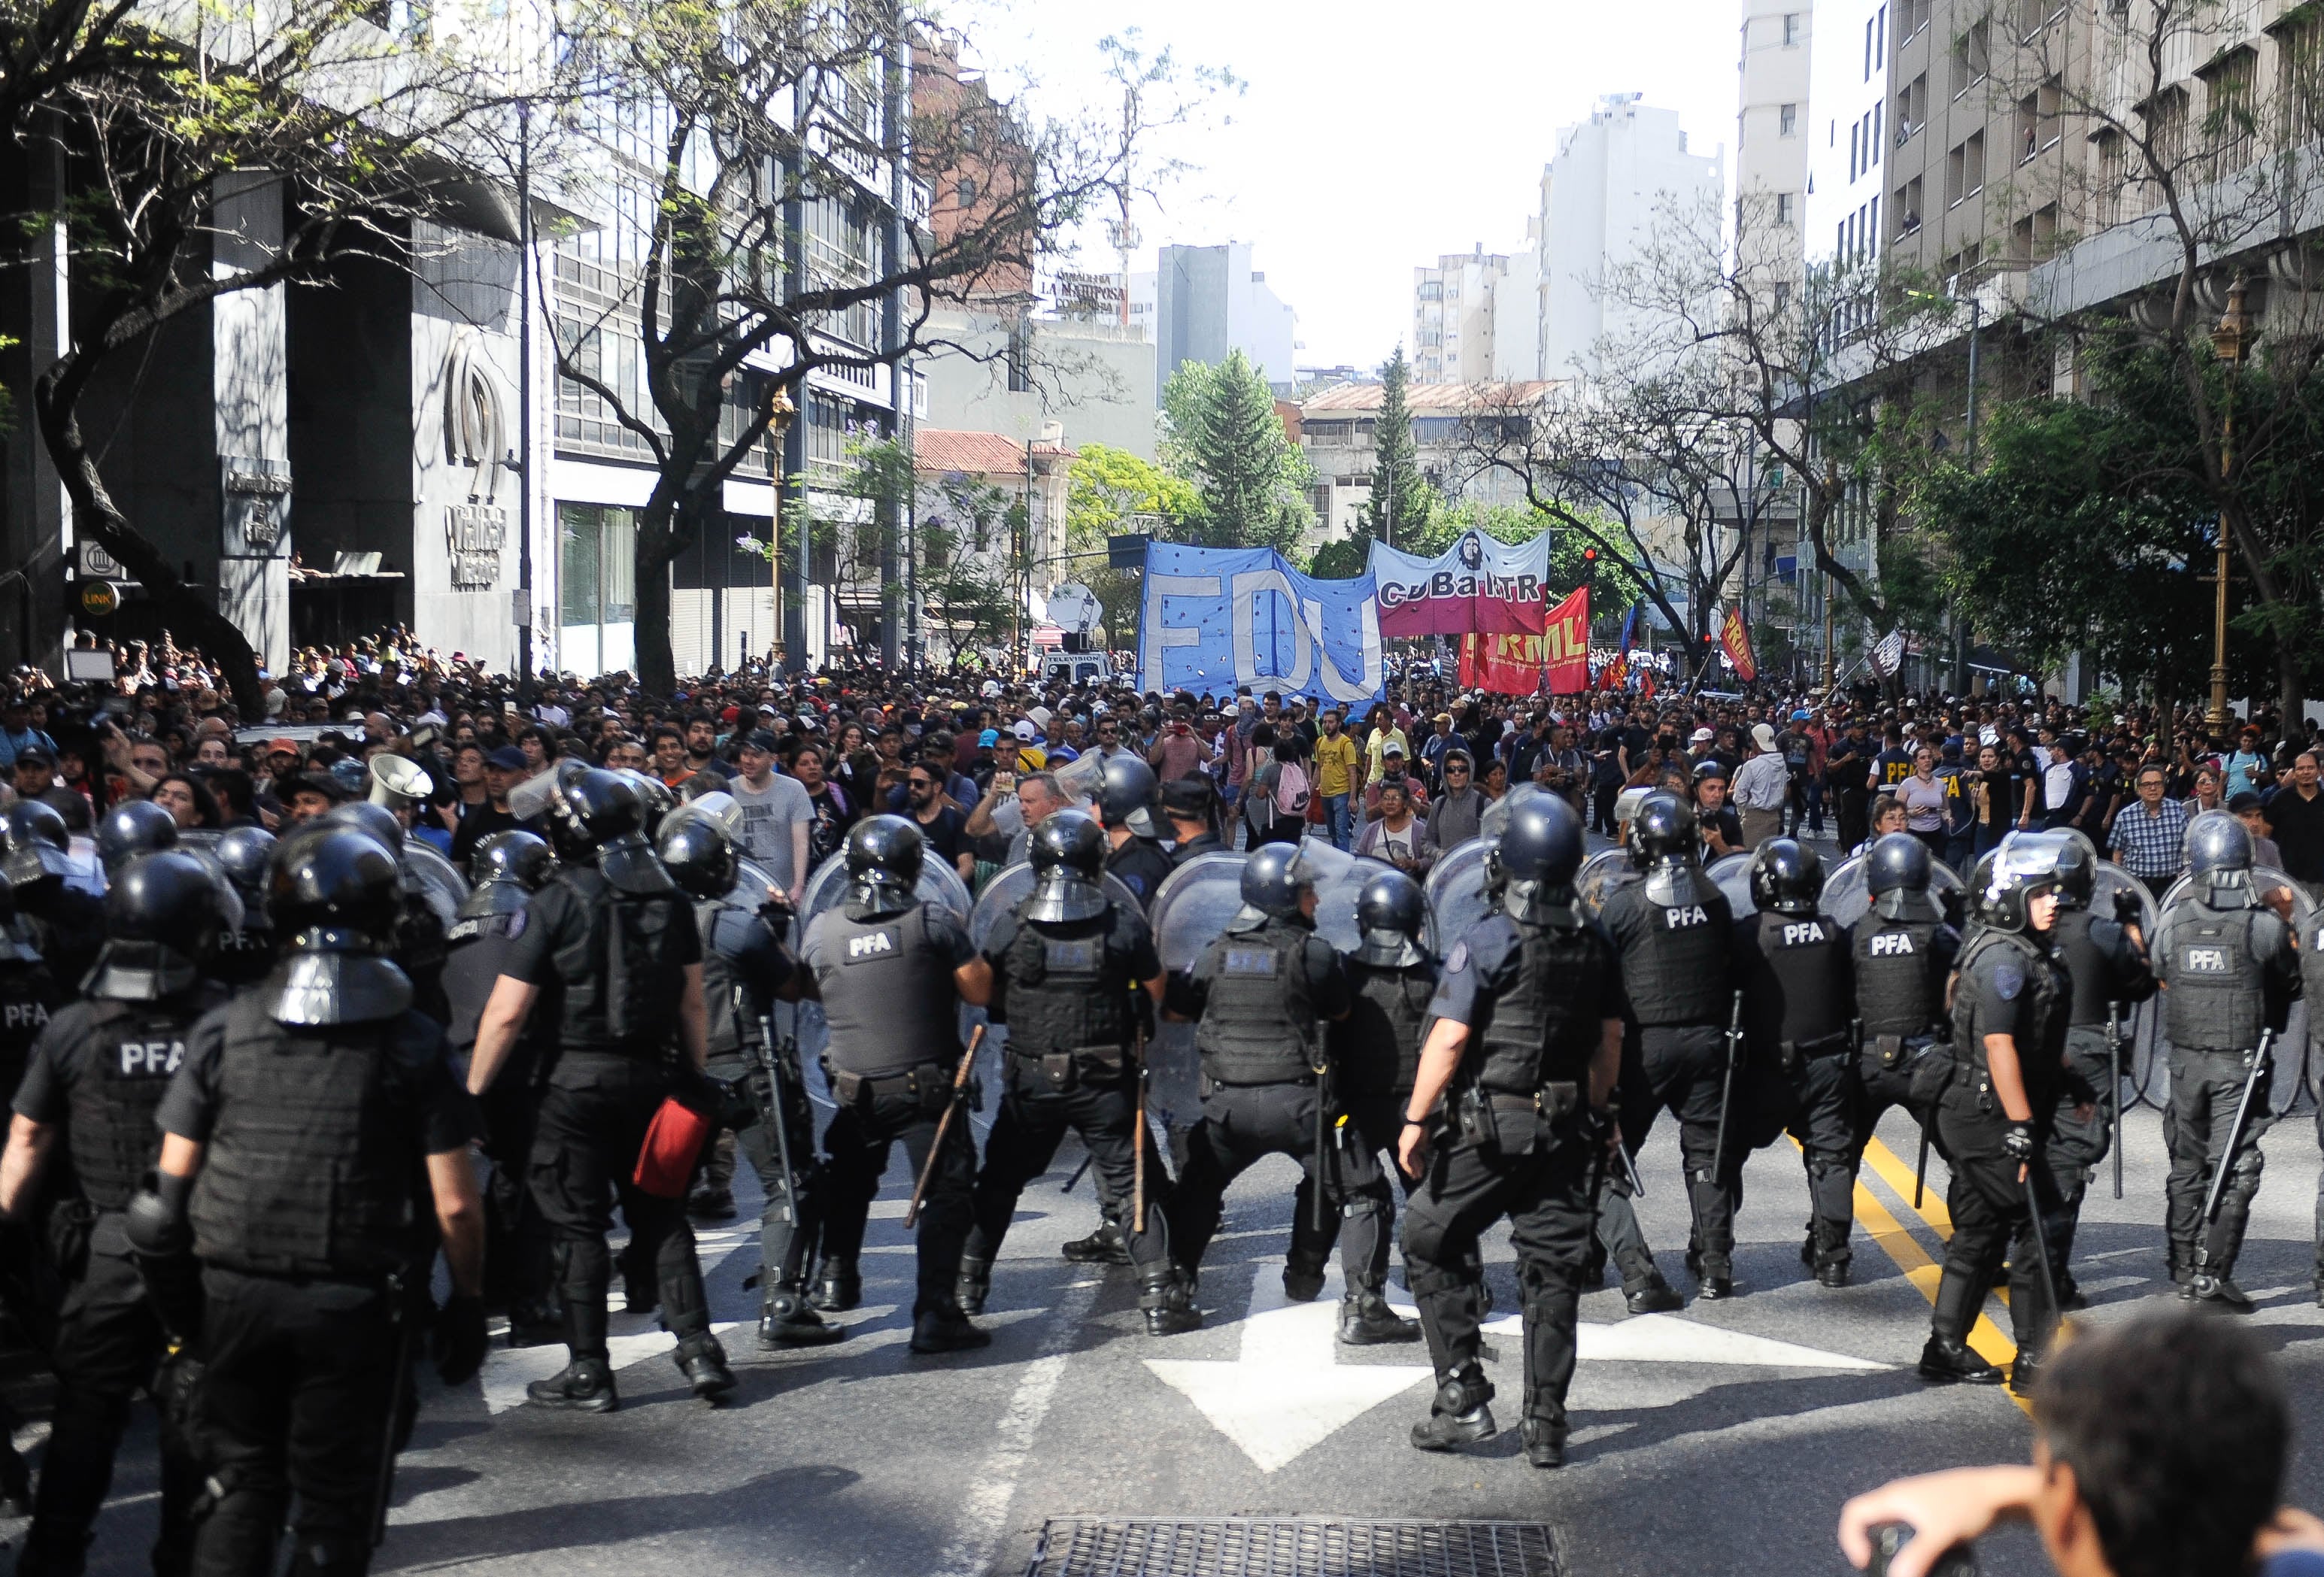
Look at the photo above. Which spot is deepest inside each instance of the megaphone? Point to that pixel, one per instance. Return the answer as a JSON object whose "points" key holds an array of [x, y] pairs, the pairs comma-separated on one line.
{"points": [[398, 783]]}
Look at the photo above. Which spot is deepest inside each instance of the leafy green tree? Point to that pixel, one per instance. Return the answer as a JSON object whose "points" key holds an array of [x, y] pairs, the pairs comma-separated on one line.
{"points": [[1223, 435], [1112, 491], [1399, 491]]}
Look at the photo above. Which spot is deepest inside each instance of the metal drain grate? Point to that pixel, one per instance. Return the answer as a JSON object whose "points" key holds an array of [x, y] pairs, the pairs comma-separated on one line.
{"points": [[1305, 1547]]}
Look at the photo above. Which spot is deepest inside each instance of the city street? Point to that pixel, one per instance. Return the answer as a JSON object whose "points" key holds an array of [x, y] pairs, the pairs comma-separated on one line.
{"points": [[1722, 1438]]}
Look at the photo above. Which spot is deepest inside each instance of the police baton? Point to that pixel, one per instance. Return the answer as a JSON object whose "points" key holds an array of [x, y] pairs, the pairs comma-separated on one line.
{"points": [[1726, 1090], [944, 1126], [1921, 1166], [399, 1310], [1137, 1139], [2217, 1194], [2041, 1241], [2114, 1089], [772, 1057]]}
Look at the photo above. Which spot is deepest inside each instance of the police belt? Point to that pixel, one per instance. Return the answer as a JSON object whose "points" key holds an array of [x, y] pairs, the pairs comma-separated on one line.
{"points": [[1896, 1050], [1303, 1080], [924, 1082], [1553, 1098], [1795, 1051]]}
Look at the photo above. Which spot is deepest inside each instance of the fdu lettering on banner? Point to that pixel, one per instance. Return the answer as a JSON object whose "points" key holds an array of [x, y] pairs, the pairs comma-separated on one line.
{"points": [[1215, 618]]}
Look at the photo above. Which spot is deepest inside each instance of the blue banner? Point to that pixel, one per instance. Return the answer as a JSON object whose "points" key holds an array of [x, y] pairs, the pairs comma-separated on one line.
{"points": [[1217, 618]]}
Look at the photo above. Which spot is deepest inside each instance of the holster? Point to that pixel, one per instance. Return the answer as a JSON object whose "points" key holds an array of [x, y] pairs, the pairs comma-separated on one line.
{"points": [[926, 1084], [1890, 1050]]}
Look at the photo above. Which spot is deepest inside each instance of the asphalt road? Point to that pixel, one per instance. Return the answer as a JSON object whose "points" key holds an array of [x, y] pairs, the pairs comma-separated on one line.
{"points": [[1722, 1438]]}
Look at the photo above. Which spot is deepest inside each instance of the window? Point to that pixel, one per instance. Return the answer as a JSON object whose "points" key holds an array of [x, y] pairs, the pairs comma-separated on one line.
{"points": [[1790, 30], [2114, 175], [598, 564], [1019, 357], [1878, 110], [2300, 75], [1782, 207], [1905, 207], [1854, 154], [1867, 49], [1973, 172], [2045, 231], [1787, 120], [2230, 116], [963, 194], [1956, 175], [1912, 108], [2166, 119], [1783, 296], [1971, 57], [1912, 18]]}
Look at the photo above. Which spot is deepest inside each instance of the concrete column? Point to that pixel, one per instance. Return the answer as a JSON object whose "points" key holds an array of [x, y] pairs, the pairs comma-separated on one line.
{"points": [[249, 396]]}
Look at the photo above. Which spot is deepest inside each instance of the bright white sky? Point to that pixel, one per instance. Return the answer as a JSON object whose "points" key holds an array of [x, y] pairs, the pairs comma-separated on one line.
{"points": [[1371, 136]]}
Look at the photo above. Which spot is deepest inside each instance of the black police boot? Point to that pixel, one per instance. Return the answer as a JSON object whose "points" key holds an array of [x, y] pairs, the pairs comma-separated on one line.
{"points": [[1168, 1302], [1808, 1249], [1832, 1257], [1644, 1290], [837, 1286], [947, 1330], [789, 1320], [1367, 1321], [708, 1203], [2181, 1259], [2023, 1370], [1545, 1441], [2219, 1292], [1459, 1414], [974, 1286], [1718, 1278], [702, 1362], [1948, 1358], [535, 1323], [1105, 1246], [585, 1385], [1303, 1278]]}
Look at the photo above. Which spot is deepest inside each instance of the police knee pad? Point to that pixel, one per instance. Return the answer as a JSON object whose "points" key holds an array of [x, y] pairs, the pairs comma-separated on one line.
{"points": [[1368, 1204], [1435, 1281]]}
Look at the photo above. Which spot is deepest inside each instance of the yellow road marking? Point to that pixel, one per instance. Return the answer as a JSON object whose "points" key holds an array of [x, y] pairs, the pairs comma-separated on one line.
{"points": [[1895, 1173]]}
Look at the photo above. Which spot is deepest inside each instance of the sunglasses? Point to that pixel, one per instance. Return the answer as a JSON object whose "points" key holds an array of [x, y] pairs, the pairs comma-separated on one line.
{"points": [[1450, 770]]}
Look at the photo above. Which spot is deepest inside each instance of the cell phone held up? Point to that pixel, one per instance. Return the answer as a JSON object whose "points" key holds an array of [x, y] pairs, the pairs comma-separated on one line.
{"points": [[1960, 1561]]}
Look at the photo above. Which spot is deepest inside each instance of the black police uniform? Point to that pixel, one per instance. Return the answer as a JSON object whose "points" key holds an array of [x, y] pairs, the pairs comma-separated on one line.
{"points": [[310, 1207], [1141, 866], [1067, 989], [612, 963], [2009, 985], [248, 955], [886, 984], [97, 1076], [1900, 964], [1521, 1142], [2229, 973], [744, 964], [1190, 849], [28, 993], [2105, 967], [1257, 995], [1797, 990], [1674, 933]]}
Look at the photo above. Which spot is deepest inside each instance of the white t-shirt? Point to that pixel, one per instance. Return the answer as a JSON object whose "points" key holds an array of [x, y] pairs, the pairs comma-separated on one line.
{"points": [[768, 816]]}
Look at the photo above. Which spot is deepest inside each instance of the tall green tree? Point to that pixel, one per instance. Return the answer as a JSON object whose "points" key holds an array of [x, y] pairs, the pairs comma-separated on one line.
{"points": [[1398, 490], [1110, 491], [1223, 435]]}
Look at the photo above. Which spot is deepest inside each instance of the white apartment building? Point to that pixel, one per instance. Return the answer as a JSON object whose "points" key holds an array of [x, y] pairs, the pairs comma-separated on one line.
{"points": [[1772, 132], [1852, 131], [1453, 315], [1201, 302], [1338, 433], [1620, 179]]}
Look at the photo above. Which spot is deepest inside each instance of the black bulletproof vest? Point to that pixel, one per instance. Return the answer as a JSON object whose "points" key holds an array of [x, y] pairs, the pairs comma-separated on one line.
{"points": [[1900, 976], [476, 947], [246, 956], [2312, 979], [27, 993], [130, 1052], [730, 1032], [625, 964], [313, 1160], [1259, 1021], [2041, 1035], [1069, 991], [2214, 1003], [888, 992], [1529, 1032], [2087, 965], [1375, 1049], [1674, 956], [1793, 995]]}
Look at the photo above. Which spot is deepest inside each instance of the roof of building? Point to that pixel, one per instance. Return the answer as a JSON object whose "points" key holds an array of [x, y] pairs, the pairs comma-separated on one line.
{"points": [[1430, 397], [938, 451]]}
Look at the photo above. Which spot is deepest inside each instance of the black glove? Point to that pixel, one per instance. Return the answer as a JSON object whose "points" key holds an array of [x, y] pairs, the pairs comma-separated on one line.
{"points": [[2017, 1142], [156, 1217], [460, 1341], [2128, 909]]}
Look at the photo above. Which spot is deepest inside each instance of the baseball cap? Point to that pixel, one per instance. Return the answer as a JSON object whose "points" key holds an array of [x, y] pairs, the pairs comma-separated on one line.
{"points": [[1700, 736], [508, 759], [989, 738], [762, 740], [2246, 799], [37, 753], [286, 747], [1763, 736], [1023, 729]]}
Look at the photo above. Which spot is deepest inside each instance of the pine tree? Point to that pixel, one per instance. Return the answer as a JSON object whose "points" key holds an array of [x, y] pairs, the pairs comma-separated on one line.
{"points": [[1226, 438], [1396, 503]]}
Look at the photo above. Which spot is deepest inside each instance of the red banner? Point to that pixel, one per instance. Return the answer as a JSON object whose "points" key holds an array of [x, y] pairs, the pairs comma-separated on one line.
{"points": [[1517, 665], [1737, 640]]}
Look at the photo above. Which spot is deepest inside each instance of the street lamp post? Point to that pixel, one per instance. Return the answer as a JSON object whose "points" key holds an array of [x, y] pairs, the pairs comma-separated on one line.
{"points": [[2229, 341]]}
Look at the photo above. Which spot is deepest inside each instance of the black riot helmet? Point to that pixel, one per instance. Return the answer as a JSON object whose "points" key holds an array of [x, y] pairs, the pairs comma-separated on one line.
{"points": [[1786, 878], [244, 853], [2077, 875], [2021, 869], [384, 824], [1392, 914], [34, 845], [1068, 853], [1531, 865], [655, 799], [1273, 878], [699, 856], [134, 827], [506, 869], [2220, 859], [162, 915], [884, 855], [1126, 795], [1897, 871], [337, 894], [590, 809], [1662, 832]]}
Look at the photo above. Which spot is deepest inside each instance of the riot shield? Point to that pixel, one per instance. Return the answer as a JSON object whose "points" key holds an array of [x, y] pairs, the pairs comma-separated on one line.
{"points": [[2265, 880], [1456, 892], [432, 880], [1009, 888], [1339, 878], [1600, 875], [827, 887], [2290, 1049], [1496, 817], [1731, 874], [1191, 908], [1846, 900]]}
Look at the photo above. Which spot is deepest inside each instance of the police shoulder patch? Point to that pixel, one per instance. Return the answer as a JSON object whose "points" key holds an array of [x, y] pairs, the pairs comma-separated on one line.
{"points": [[1458, 959], [2008, 979], [517, 922]]}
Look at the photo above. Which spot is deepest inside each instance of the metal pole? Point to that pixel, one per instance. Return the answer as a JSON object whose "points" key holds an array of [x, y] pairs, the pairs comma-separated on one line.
{"points": [[1961, 630], [524, 659], [2227, 342]]}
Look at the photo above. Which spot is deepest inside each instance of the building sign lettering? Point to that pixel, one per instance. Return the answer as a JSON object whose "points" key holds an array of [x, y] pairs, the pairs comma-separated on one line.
{"points": [[254, 506], [473, 536]]}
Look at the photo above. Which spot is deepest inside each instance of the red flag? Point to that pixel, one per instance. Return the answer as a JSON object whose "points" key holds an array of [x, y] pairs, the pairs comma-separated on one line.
{"points": [[1736, 641], [1556, 660], [1566, 634]]}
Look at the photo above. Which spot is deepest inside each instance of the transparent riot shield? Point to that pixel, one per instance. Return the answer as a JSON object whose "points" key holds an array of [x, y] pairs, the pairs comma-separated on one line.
{"points": [[1456, 892], [1191, 911], [1011, 887], [2289, 1054], [1600, 875], [1846, 900], [826, 888], [433, 880], [1731, 874]]}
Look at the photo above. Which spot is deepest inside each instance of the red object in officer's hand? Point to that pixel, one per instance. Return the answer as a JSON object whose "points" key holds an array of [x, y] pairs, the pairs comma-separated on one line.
{"points": [[674, 1139]]}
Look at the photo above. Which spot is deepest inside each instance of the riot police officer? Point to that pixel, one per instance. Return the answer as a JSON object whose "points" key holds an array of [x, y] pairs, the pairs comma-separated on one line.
{"points": [[892, 972], [2228, 971], [2105, 957], [1257, 995], [1792, 965], [1067, 967], [67, 925], [131, 828], [745, 968], [1526, 1036], [293, 1138], [96, 1077], [246, 953], [2010, 1002], [1902, 954], [1190, 806], [1125, 800], [1674, 929], [419, 934], [506, 869], [612, 940]]}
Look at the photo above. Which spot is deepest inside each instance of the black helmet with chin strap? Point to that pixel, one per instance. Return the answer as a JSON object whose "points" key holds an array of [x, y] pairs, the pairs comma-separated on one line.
{"points": [[245, 852], [35, 846], [1530, 868], [1068, 853], [699, 856], [2220, 859], [134, 827], [1273, 878], [1392, 916], [1663, 845], [884, 855], [162, 917], [1897, 871], [1786, 878], [383, 824], [590, 809], [336, 895], [2021, 870], [1127, 793]]}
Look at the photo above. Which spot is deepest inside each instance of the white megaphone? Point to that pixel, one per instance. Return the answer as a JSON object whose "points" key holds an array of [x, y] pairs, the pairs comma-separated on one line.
{"points": [[398, 782]]}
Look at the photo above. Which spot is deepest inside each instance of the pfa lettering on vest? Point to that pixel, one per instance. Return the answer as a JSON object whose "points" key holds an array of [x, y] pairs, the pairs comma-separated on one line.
{"points": [[150, 1059], [1800, 933], [871, 944], [1681, 916], [2206, 960], [1895, 944], [23, 1015]]}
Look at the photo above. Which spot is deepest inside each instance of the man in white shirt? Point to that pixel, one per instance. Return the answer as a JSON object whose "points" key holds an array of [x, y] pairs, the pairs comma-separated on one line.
{"points": [[1761, 786]]}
